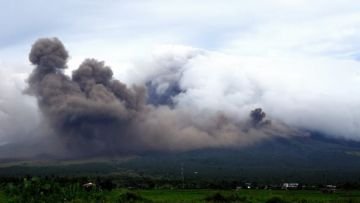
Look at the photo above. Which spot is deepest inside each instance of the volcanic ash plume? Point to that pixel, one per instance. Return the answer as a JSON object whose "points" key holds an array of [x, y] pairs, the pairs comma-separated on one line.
{"points": [[87, 110], [93, 113]]}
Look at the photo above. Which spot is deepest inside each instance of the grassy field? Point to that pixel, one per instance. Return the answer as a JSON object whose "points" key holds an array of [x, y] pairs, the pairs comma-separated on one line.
{"points": [[3, 197], [196, 195], [255, 196], [249, 196]]}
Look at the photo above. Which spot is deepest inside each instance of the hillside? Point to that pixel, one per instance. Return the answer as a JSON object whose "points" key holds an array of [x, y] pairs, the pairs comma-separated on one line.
{"points": [[313, 159]]}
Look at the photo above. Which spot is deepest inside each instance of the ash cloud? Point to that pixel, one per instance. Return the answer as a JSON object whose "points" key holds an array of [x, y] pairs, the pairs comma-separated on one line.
{"points": [[257, 118], [92, 113], [90, 109]]}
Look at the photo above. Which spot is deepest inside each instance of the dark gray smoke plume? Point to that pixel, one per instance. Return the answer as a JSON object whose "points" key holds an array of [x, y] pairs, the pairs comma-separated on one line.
{"points": [[258, 118], [91, 109], [93, 113]]}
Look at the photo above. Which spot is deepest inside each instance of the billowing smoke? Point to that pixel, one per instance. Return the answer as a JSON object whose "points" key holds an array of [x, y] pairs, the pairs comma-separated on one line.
{"points": [[91, 109], [93, 113], [258, 118]]}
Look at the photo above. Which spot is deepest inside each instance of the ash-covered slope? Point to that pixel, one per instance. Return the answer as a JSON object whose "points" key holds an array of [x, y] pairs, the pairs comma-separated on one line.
{"points": [[314, 159]]}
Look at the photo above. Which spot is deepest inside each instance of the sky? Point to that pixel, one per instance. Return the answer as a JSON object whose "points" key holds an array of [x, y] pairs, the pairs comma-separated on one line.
{"points": [[296, 59]]}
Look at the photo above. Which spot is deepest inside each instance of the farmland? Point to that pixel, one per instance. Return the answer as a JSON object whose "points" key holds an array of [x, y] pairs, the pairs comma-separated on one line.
{"points": [[37, 189], [198, 195], [248, 195]]}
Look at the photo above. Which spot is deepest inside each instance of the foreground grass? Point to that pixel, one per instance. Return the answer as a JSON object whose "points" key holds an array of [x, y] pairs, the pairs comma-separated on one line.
{"points": [[255, 196], [202, 195], [3, 197]]}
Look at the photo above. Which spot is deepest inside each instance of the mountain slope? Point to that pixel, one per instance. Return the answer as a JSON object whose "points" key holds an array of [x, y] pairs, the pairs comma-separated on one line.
{"points": [[305, 159], [312, 159]]}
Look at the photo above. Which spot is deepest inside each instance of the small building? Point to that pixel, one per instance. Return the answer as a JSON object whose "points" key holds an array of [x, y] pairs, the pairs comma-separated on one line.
{"points": [[329, 189], [89, 185], [290, 186], [248, 185]]}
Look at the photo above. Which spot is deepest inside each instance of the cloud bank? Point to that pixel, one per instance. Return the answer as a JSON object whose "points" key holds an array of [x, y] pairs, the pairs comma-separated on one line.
{"points": [[179, 98], [312, 93], [92, 113]]}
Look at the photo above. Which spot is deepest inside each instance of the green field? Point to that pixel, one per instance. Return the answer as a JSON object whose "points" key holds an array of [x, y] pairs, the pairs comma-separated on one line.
{"points": [[203, 195], [254, 196], [125, 189]]}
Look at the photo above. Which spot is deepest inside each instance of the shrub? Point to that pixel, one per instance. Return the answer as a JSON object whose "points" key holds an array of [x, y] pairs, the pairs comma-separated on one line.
{"points": [[217, 197], [130, 197], [276, 200]]}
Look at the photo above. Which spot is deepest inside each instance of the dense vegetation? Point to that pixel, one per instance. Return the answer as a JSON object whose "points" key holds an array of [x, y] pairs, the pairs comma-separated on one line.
{"points": [[131, 189]]}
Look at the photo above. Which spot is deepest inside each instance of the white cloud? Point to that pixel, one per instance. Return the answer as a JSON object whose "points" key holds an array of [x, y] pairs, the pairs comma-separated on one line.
{"points": [[335, 36], [19, 116], [312, 93]]}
